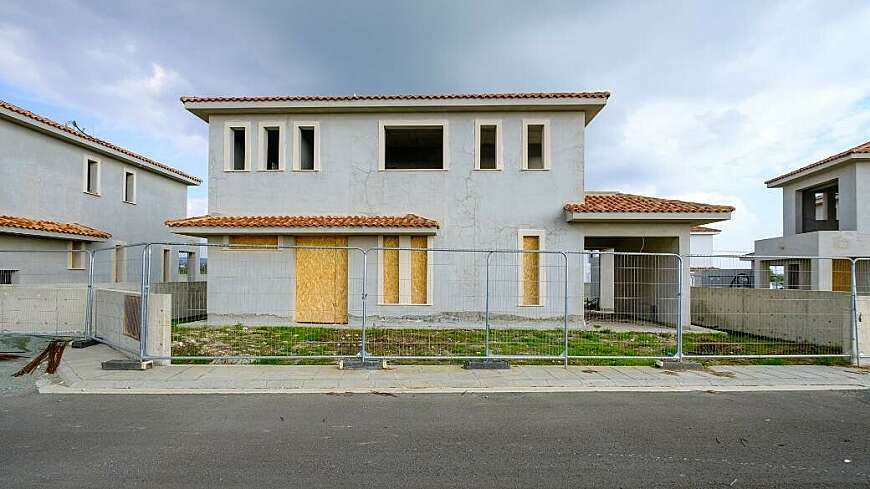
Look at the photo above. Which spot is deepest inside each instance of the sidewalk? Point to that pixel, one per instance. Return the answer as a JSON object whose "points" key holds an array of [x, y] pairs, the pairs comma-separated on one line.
{"points": [[80, 372]]}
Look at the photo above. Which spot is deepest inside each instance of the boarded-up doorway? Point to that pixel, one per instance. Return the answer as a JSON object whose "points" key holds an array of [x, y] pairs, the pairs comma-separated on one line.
{"points": [[842, 275], [321, 280]]}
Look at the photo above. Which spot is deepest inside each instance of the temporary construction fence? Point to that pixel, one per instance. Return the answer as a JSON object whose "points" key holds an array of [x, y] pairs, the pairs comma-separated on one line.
{"points": [[321, 299]]}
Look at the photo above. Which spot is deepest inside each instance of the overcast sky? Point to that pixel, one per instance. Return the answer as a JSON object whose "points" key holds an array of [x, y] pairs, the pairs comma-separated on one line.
{"points": [[709, 99]]}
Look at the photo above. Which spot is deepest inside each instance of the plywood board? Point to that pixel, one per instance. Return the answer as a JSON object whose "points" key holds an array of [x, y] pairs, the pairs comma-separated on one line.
{"points": [[391, 271], [419, 270], [254, 240], [321, 280], [842, 276], [531, 285]]}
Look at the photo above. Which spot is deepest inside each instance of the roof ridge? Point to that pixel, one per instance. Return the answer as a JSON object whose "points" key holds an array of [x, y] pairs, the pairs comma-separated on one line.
{"points": [[45, 120]]}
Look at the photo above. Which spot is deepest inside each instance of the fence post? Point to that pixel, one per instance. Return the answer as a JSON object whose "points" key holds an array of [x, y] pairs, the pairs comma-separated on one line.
{"points": [[565, 256], [89, 307], [854, 350], [145, 291], [679, 354], [486, 350], [362, 342]]}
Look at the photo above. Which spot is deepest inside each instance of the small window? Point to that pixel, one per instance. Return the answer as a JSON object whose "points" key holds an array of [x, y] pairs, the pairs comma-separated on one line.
{"points": [[535, 146], [404, 280], [6, 277], [91, 182], [488, 154], [119, 263], [411, 146], [237, 154], [129, 187], [272, 147], [76, 255], [167, 265], [253, 241], [306, 144]]}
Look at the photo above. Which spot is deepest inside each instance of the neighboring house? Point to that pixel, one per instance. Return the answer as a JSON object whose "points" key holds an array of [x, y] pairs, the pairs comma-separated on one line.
{"points": [[65, 190], [826, 213], [485, 171], [702, 239]]}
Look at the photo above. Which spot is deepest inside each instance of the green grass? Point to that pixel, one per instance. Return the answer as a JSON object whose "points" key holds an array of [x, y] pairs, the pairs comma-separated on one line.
{"points": [[311, 341]]}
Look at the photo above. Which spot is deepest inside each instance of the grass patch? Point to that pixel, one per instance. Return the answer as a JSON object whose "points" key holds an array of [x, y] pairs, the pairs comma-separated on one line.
{"points": [[240, 340]]}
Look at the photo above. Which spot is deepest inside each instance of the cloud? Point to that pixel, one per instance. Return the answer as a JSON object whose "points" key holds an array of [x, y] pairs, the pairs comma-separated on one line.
{"points": [[197, 206]]}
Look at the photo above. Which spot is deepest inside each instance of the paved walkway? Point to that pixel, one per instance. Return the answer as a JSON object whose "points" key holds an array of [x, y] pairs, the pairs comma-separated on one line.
{"points": [[80, 372]]}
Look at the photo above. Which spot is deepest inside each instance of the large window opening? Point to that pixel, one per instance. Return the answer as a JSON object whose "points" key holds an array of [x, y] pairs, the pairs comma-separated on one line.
{"points": [[820, 208], [414, 148], [488, 147], [92, 176]]}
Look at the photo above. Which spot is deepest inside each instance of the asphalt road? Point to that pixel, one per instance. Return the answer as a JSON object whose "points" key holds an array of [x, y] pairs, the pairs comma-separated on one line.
{"points": [[776, 439]]}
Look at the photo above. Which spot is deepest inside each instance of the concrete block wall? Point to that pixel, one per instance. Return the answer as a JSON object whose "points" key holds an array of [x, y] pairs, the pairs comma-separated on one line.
{"points": [[109, 322], [816, 317], [43, 310]]}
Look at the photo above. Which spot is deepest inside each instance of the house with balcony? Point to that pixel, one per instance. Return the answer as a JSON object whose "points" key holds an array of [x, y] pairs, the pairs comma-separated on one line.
{"points": [[414, 177], [825, 214], [65, 192]]}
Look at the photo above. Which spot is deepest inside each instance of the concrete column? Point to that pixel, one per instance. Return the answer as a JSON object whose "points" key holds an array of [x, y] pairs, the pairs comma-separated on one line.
{"points": [[684, 249], [761, 274], [606, 281], [192, 266], [821, 274]]}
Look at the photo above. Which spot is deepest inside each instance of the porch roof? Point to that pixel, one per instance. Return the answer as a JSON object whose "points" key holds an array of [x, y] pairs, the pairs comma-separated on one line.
{"points": [[616, 206], [211, 225], [50, 229]]}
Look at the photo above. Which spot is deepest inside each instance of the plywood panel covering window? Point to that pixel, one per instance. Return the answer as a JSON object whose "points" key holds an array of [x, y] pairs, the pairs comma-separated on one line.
{"points": [[253, 241], [419, 270], [321, 280], [531, 271], [391, 271]]}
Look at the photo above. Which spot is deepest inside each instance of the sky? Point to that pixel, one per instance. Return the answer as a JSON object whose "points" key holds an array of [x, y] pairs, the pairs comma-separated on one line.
{"points": [[708, 99]]}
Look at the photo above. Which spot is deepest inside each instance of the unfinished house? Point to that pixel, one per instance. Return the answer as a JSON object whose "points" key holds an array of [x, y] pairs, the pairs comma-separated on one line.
{"points": [[826, 214], [65, 192], [415, 178]]}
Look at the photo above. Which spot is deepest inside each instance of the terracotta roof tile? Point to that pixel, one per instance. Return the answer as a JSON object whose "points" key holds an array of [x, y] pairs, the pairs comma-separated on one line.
{"points": [[52, 227], [861, 148], [704, 229], [355, 98], [406, 221], [36, 117], [619, 202]]}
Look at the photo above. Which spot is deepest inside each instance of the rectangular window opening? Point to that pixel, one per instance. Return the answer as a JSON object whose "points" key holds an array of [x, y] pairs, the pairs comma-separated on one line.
{"points": [[167, 265], [414, 148], [391, 270], [531, 271], [119, 263], [93, 177], [488, 135], [306, 148], [76, 255], [238, 148], [535, 147], [6, 277], [419, 270], [273, 146], [129, 187]]}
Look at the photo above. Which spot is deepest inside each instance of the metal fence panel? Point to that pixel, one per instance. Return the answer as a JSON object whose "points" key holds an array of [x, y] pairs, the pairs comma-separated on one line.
{"points": [[769, 306], [118, 308], [267, 302], [631, 305]]}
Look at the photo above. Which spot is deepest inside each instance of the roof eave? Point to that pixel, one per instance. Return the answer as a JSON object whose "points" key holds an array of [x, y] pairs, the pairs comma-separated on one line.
{"points": [[590, 105], [206, 231], [783, 180], [50, 234], [693, 218], [90, 145]]}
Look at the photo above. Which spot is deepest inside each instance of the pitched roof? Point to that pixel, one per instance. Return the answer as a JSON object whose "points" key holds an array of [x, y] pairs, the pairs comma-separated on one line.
{"points": [[616, 202], [52, 227], [353, 98], [861, 148], [704, 229], [406, 221], [87, 137]]}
